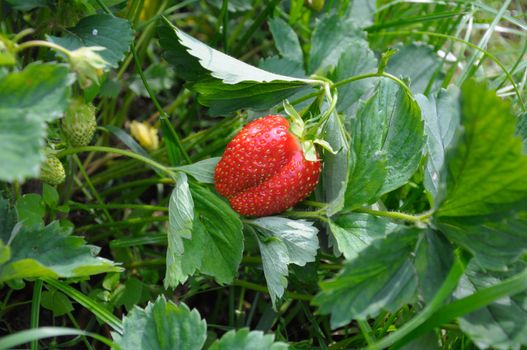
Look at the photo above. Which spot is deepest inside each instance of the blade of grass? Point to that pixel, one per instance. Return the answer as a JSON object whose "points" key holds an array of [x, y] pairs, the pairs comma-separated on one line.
{"points": [[90, 304], [32, 335], [35, 310]]}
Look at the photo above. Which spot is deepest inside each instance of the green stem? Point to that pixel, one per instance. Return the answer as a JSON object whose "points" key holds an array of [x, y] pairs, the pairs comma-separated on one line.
{"points": [[451, 282], [366, 331], [35, 309], [123, 152], [42, 43], [396, 215], [117, 206], [375, 75]]}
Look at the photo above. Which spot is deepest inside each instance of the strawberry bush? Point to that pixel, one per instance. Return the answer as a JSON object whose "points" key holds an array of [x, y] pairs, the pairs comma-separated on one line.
{"points": [[263, 174]]}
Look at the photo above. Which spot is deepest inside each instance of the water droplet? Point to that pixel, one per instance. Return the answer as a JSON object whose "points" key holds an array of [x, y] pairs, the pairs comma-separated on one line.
{"points": [[94, 32]]}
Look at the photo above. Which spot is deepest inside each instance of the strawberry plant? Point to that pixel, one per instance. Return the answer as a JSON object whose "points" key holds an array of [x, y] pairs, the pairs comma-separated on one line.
{"points": [[262, 174]]}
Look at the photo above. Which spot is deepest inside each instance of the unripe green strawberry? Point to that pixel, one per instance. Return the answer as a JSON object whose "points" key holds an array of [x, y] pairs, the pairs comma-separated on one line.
{"points": [[79, 122], [52, 171]]}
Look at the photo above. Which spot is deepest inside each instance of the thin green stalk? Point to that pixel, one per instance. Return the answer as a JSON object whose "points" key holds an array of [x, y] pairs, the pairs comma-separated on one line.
{"points": [[76, 205], [375, 75], [35, 309], [396, 215], [162, 114], [42, 43], [450, 283], [255, 25], [83, 336], [123, 152]]}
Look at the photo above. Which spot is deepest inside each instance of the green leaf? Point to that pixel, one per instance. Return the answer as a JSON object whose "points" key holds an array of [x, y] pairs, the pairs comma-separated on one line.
{"points": [[357, 59], [224, 99], [441, 115], [30, 210], [128, 294], [243, 339], [387, 141], [354, 232], [424, 64], [487, 169], [233, 5], [282, 242], [203, 171], [332, 36], [52, 252], [56, 302], [433, 261], [224, 83], [29, 99], [381, 277], [180, 218], [50, 195], [113, 33], [216, 245], [500, 325], [494, 240], [162, 325], [335, 171], [286, 40]]}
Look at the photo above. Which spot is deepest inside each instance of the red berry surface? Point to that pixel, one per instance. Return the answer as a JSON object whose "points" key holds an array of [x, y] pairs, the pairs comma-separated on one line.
{"points": [[263, 170]]}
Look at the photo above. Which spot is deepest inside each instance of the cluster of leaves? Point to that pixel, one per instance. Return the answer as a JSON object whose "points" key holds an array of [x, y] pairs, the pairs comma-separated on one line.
{"points": [[420, 210]]}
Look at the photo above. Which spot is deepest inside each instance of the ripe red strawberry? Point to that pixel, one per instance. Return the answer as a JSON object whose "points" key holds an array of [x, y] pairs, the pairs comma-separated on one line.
{"points": [[263, 170]]}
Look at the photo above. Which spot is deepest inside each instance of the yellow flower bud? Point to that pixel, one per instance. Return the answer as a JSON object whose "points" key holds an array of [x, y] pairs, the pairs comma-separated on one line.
{"points": [[145, 134]]}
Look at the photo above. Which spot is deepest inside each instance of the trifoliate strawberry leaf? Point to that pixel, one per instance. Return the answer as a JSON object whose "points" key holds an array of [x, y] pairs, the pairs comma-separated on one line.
{"points": [[501, 324], [224, 83], [162, 325], [387, 140], [180, 219], [215, 246], [487, 169], [112, 33], [441, 114], [28, 99], [282, 242], [243, 339], [52, 251], [381, 277], [354, 232]]}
